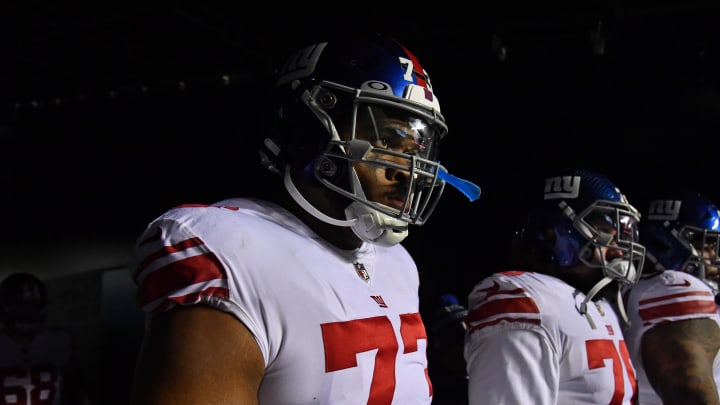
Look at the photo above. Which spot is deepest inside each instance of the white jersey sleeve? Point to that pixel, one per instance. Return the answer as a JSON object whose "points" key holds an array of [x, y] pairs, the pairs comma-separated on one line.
{"points": [[500, 373], [333, 326], [527, 342], [669, 296]]}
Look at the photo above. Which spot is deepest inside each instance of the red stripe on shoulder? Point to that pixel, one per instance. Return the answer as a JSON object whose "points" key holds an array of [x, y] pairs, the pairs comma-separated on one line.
{"points": [[677, 309], [165, 251], [514, 305], [180, 274], [534, 321], [677, 295], [192, 206], [220, 292], [513, 273]]}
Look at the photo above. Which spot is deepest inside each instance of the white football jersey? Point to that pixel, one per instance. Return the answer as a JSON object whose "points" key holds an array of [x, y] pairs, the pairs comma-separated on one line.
{"points": [[527, 343], [662, 297], [334, 326], [32, 374]]}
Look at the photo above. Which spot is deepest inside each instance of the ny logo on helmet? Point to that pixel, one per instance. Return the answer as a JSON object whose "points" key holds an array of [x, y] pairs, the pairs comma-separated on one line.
{"points": [[562, 187], [664, 210]]}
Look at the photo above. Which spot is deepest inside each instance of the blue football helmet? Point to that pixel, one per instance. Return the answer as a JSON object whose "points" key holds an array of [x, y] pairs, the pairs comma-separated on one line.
{"points": [[585, 209], [360, 100], [677, 230]]}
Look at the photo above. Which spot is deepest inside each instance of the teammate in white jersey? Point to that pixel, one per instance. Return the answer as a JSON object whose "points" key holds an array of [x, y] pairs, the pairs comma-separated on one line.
{"points": [[674, 332], [36, 363], [544, 332], [309, 298]]}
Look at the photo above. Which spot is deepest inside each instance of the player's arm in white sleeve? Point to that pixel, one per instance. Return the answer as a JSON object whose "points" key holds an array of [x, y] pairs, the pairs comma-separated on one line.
{"points": [[511, 367], [192, 354]]}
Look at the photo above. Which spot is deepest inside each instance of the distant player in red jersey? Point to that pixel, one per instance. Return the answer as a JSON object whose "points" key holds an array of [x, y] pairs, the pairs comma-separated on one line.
{"points": [[546, 333], [674, 331], [307, 297], [36, 363]]}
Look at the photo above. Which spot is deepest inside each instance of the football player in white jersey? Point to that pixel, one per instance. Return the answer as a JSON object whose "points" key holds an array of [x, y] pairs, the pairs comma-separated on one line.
{"points": [[308, 298], [36, 363], [674, 330], [545, 332]]}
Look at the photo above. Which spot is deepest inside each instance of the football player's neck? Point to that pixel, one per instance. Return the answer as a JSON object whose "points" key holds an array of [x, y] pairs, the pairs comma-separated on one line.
{"points": [[580, 277], [322, 198]]}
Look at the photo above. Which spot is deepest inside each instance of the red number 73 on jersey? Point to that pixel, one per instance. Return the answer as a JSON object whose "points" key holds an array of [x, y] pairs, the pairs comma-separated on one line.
{"points": [[344, 340]]}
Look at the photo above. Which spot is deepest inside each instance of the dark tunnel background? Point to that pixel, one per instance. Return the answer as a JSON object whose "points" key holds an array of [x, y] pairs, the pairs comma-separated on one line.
{"points": [[110, 116]]}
